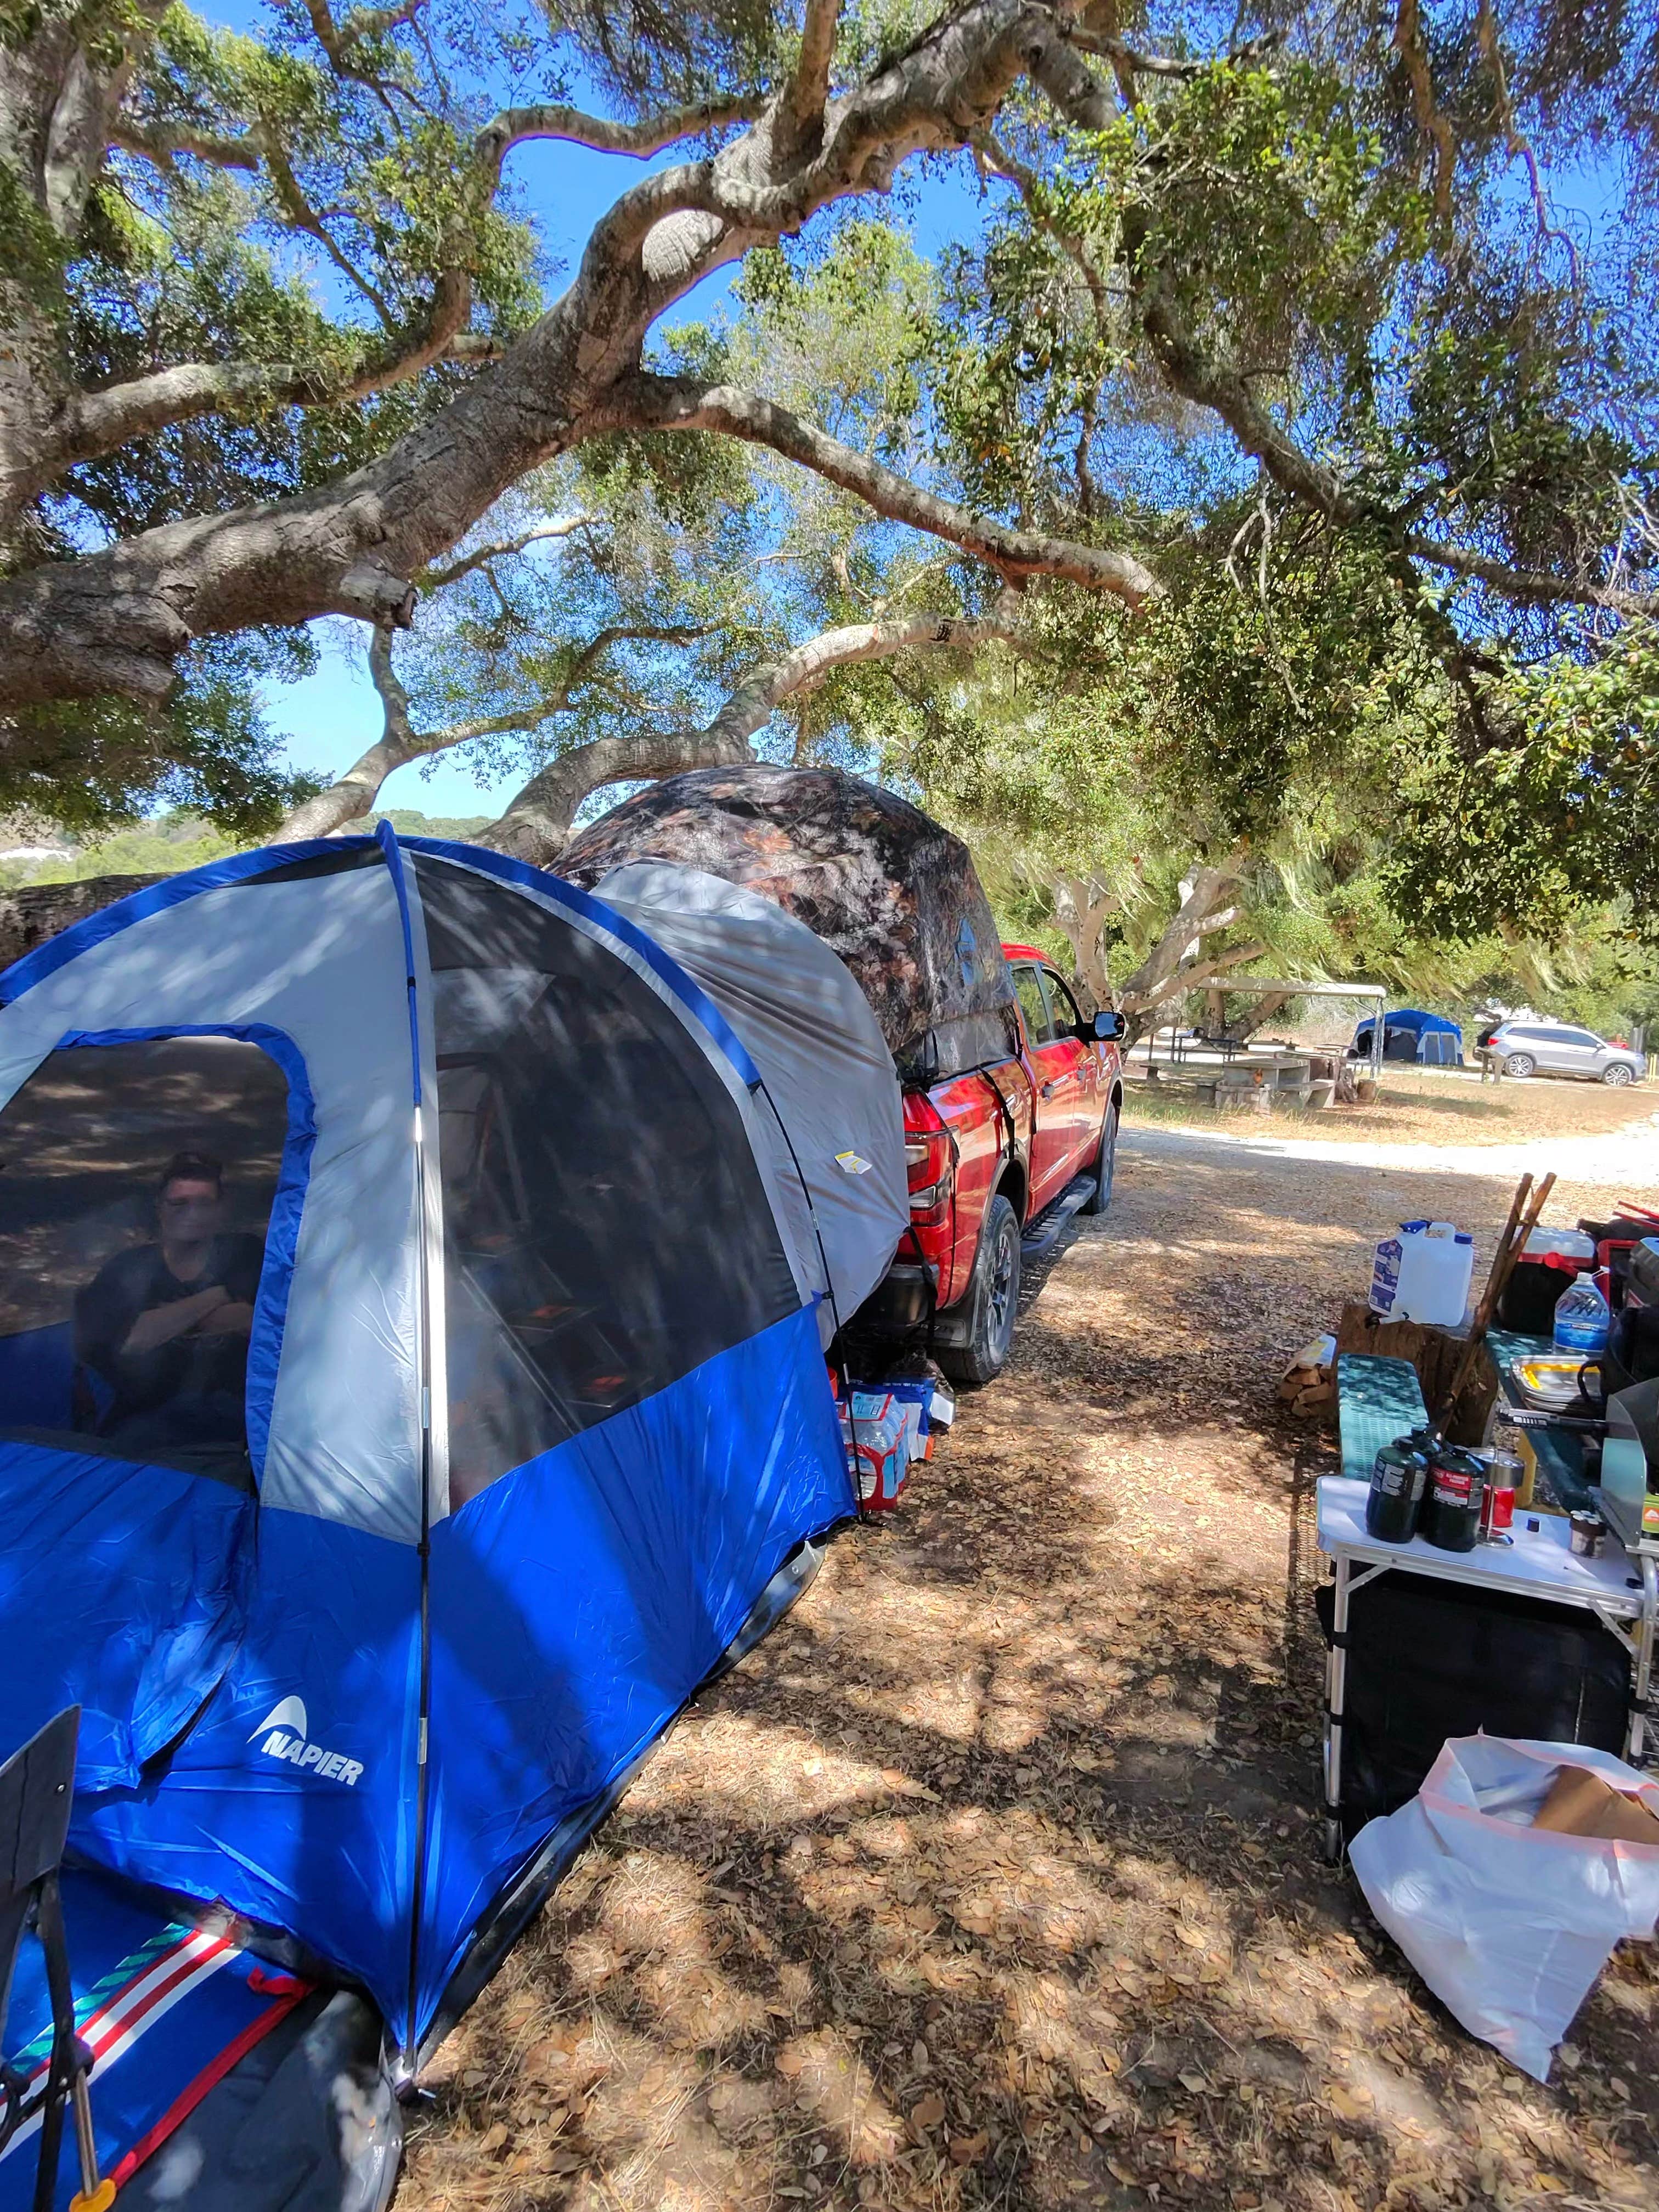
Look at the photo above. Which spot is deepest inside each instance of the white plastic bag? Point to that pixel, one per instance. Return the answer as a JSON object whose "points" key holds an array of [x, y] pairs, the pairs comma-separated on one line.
{"points": [[1508, 1924]]}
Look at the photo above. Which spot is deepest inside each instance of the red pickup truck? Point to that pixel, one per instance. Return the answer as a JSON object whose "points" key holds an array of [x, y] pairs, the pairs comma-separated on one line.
{"points": [[999, 1159], [1011, 1093]]}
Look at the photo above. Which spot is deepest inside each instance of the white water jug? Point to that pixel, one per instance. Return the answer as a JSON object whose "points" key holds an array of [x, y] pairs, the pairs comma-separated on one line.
{"points": [[1423, 1273]]}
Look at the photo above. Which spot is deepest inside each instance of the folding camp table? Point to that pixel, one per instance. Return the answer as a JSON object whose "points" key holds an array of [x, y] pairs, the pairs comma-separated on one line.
{"points": [[1621, 1588]]}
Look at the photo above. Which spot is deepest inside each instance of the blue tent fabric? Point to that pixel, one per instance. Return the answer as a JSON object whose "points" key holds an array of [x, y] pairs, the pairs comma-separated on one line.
{"points": [[1411, 1019], [578, 1603], [330, 1660], [351, 1707], [121, 1589], [1438, 1041]]}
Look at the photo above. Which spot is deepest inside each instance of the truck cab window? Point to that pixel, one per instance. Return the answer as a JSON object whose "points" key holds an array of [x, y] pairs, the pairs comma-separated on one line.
{"points": [[1028, 988], [1063, 1004]]}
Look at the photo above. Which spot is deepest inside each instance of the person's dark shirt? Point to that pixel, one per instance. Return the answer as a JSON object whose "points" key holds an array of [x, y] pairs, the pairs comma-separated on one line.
{"points": [[192, 1366]]}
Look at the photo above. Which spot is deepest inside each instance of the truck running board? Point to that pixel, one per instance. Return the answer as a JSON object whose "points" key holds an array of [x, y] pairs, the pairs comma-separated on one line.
{"points": [[1046, 1231]]}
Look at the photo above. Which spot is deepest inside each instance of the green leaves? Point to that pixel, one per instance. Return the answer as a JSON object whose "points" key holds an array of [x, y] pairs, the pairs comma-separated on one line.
{"points": [[105, 761], [1564, 819]]}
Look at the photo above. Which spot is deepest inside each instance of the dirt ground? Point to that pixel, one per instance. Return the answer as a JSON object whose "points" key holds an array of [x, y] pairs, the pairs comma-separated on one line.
{"points": [[1434, 1106], [991, 1879]]}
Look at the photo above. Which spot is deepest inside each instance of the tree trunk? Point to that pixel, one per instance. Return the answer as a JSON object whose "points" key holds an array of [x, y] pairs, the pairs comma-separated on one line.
{"points": [[30, 916], [1081, 908], [1257, 1012]]}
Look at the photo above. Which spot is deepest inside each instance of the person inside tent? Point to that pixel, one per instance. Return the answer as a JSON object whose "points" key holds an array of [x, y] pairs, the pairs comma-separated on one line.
{"points": [[164, 1328]]}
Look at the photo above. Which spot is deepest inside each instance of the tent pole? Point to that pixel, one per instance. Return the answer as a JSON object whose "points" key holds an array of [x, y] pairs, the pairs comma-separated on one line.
{"points": [[386, 838]]}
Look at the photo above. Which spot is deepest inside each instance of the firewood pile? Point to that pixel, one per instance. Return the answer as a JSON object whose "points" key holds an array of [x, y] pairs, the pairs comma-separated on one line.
{"points": [[1308, 1385]]}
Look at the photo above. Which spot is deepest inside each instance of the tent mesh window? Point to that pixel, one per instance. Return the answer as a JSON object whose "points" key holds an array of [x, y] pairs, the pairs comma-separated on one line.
{"points": [[83, 1252], [606, 1229]]}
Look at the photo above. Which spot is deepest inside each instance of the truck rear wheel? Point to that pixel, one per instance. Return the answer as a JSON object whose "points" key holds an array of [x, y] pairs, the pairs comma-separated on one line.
{"points": [[993, 1300], [1105, 1167]]}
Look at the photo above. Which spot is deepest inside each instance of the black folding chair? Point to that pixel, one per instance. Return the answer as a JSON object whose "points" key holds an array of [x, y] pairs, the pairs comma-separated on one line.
{"points": [[37, 1786]]}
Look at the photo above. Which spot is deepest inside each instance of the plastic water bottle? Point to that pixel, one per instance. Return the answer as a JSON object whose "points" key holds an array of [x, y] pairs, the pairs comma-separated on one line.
{"points": [[1582, 1320]]}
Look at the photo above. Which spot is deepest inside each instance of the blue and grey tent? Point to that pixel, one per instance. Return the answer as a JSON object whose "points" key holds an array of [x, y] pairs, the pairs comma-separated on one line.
{"points": [[1410, 1034], [508, 1409]]}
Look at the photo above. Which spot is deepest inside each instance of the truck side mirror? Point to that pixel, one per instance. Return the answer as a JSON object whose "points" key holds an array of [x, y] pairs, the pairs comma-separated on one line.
{"points": [[1105, 1028]]}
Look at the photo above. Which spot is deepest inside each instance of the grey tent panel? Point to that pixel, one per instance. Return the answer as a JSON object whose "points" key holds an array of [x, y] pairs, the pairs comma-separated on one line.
{"points": [[810, 1031], [889, 890]]}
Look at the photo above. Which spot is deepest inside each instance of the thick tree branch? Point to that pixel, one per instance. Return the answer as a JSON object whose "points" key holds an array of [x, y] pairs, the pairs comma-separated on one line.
{"points": [[752, 705], [1214, 381], [1205, 905], [658, 403], [97, 422], [514, 126], [356, 791], [1147, 1011], [810, 91], [1528, 585], [1082, 907], [536, 827], [1197, 972], [116, 619], [160, 142], [1413, 56]]}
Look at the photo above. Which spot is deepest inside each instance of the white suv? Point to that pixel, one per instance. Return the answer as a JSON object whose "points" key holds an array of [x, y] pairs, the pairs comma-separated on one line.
{"points": [[1553, 1048]]}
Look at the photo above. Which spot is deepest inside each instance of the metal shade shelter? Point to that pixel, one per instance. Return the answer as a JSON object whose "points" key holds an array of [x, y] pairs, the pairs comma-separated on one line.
{"points": [[1257, 987]]}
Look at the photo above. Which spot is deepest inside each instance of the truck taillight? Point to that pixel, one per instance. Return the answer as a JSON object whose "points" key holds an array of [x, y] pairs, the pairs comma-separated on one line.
{"points": [[927, 1159]]}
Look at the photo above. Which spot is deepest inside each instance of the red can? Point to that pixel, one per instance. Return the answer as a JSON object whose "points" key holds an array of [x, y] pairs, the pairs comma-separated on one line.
{"points": [[1498, 1505]]}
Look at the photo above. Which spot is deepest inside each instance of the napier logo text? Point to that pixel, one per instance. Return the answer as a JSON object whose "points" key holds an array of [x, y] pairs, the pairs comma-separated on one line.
{"points": [[284, 1731]]}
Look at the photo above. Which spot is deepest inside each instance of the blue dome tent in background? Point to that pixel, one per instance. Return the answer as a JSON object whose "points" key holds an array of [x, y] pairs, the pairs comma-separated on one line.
{"points": [[537, 1419], [1410, 1034]]}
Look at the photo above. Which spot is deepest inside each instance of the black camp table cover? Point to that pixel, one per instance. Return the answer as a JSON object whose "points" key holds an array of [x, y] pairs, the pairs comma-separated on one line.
{"points": [[1429, 1659]]}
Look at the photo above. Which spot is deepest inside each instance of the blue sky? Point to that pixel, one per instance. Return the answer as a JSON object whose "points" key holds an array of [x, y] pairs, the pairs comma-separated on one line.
{"points": [[331, 717]]}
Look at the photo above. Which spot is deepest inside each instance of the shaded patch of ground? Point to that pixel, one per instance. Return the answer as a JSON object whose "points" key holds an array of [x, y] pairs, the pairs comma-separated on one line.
{"points": [[990, 1880]]}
